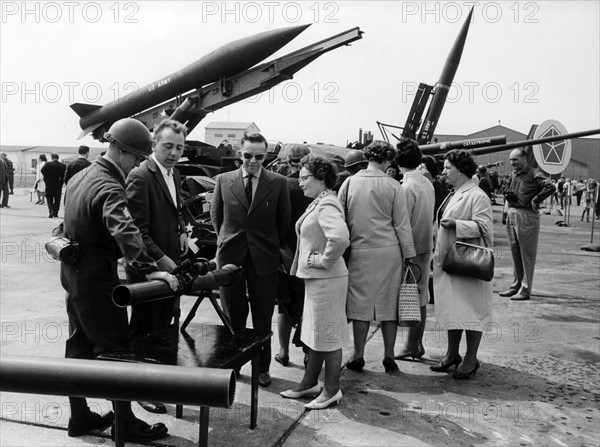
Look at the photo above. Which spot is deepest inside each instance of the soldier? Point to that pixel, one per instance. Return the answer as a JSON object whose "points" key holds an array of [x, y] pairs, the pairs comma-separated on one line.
{"points": [[354, 161], [96, 216]]}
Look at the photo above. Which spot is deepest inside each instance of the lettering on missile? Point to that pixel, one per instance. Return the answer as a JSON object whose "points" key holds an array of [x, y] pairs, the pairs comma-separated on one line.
{"points": [[164, 82]]}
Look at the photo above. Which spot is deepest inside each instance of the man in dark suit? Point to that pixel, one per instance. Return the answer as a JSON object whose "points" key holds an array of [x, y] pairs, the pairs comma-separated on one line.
{"points": [[53, 172], [154, 200], [4, 185], [250, 211], [79, 164]]}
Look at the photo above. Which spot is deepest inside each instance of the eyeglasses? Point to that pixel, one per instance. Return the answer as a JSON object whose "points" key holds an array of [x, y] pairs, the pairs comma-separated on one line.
{"points": [[249, 156], [305, 177]]}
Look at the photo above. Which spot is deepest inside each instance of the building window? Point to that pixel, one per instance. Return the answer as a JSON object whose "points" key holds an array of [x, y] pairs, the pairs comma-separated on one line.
{"points": [[230, 135], [218, 135]]}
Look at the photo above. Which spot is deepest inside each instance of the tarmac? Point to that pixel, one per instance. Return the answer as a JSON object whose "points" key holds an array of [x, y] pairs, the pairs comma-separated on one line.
{"points": [[539, 383]]}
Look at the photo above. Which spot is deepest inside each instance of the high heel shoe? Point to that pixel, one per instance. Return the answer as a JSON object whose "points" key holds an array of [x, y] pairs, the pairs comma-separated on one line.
{"points": [[389, 365], [443, 367], [283, 359], [290, 394], [314, 405], [356, 364], [466, 375], [405, 354]]}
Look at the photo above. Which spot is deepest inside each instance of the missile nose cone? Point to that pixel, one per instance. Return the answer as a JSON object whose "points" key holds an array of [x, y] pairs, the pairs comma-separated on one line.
{"points": [[459, 43], [280, 37]]}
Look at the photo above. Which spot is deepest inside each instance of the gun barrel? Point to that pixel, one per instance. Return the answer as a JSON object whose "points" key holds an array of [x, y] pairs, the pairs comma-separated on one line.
{"points": [[524, 143], [127, 294], [437, 148], [120, 381]]}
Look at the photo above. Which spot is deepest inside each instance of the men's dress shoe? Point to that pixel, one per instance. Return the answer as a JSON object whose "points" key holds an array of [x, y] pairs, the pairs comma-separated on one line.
{"points": [[283, 359], [290, 394], [83, 425], [139, 431], [264, 379], [443, 367], [520, 297], [153, 407], [314, 405], [466, 375], [356, 364], [509, 292]]}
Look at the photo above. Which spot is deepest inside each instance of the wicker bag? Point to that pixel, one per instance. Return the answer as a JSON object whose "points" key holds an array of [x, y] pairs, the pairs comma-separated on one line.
{"points": [[409, 309]]}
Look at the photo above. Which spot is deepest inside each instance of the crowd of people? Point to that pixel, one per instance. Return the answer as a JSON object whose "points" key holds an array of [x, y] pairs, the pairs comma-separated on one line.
{"points": [[329, 249]]}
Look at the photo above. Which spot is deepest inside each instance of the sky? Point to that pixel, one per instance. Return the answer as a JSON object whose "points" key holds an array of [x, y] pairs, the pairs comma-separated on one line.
{"points": [[524, 62]]}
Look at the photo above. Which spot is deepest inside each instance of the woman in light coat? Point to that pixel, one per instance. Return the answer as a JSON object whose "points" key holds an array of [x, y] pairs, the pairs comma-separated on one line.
{"points": [[322, 239], [40, 185], [462, 302], [420, 202], [381, 241]]}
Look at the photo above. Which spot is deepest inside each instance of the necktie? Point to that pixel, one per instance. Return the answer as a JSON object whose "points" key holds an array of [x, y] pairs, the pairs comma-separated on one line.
{"points": [[171, 186], [249, 188]]}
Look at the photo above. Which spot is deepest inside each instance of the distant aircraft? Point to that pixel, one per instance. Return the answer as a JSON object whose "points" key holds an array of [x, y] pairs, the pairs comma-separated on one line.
{"points": [[218, 79]]}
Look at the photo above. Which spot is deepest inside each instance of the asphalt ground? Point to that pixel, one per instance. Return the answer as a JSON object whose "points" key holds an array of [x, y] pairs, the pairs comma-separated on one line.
{"points": [[539, 383]]}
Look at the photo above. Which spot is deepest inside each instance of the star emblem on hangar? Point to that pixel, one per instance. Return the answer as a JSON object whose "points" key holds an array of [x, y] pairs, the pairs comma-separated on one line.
{"points": [[554, 152]]}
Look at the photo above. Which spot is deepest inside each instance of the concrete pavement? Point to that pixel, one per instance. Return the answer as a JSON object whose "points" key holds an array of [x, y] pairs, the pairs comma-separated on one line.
{"points": [[538, 384]]}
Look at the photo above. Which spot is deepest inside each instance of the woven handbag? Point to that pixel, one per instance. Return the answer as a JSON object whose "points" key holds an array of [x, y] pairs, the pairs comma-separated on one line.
{"points": [[470, 260], [409, 309]]}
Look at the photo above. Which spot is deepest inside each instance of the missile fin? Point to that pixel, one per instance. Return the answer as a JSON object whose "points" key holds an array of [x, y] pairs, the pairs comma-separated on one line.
{"points": [[84, 109], [88, 129]]}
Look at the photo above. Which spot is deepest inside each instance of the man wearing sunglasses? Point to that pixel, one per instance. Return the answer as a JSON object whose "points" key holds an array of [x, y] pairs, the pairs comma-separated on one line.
{"points": [[251, 212]]}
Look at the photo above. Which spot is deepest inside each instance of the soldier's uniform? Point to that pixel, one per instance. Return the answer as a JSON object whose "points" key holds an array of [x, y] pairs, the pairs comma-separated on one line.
{"points": [[96, 216]]}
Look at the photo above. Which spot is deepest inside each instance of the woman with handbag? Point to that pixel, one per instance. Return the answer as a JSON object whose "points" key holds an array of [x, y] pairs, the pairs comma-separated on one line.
{"points": [[382, 242], [462, 303], [322, 238], [420, 202]]}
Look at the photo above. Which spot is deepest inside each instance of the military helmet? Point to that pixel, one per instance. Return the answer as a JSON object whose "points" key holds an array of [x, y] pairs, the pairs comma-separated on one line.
{"points": [[354, 157], [131, 136], [295, 152]]}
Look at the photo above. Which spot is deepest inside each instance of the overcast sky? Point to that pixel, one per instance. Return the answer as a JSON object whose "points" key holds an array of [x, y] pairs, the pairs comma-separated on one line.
{"points": [[523, 62]]}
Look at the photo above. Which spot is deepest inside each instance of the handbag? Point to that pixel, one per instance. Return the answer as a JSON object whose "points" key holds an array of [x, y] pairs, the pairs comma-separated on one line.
{"points": [[409, 309], [470, 260]]}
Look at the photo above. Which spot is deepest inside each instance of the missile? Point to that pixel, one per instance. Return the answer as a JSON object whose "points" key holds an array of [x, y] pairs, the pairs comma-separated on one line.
{"points": [[228, 60], [443, 86], [440, 148]]}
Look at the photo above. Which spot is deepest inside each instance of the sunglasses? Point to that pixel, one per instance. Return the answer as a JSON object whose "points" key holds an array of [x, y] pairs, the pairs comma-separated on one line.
{"points": [[249, 156]]}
